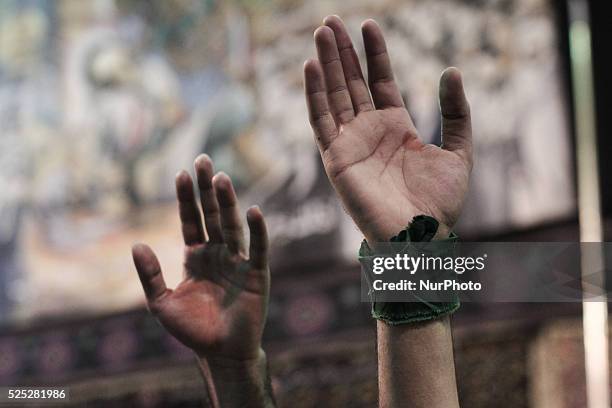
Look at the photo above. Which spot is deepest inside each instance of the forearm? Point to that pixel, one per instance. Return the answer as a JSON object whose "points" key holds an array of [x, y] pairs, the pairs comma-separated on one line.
{"points": [[415, 365], [238, 384]]}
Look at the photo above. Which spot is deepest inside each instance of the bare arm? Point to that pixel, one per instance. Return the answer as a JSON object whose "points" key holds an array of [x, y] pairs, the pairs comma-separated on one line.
{"points": [[415, 365], [385, 175]]}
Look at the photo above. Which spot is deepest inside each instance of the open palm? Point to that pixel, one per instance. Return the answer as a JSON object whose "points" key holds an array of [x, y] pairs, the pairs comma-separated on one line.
{"points": [[384, 174], [219, 308]]}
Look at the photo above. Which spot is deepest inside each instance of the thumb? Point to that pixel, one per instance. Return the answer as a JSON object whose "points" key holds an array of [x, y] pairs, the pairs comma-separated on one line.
{"points": [[456, 122], [149, 272]]}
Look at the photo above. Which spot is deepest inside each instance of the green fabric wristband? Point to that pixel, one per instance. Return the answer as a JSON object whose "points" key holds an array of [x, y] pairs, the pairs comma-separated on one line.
{"points": [[422, 229]]}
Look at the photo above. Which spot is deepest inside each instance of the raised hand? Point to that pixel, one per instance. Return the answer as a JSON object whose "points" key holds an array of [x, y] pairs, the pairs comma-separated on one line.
{"points": [[384, 174], [219, 309]]}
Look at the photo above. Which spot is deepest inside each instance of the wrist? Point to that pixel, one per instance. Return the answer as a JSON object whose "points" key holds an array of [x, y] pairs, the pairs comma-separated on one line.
{"points": [[238, 382], [443, 232], [414, 308], [230, 370]]}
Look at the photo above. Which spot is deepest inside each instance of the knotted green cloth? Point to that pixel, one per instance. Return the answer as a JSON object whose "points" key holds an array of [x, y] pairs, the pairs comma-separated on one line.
{"points": [[422, 229]]}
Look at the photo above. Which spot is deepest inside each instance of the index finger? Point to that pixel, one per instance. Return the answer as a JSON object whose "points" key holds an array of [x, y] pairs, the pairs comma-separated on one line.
{"points": [[191, 222], [210, 207]]}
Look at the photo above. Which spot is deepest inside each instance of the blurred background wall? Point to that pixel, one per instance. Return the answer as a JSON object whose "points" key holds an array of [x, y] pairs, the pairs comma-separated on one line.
{"points": [[103, 101]]}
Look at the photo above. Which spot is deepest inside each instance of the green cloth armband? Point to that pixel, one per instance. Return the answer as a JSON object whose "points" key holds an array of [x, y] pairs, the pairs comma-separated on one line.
{"points": [[422, 229]]}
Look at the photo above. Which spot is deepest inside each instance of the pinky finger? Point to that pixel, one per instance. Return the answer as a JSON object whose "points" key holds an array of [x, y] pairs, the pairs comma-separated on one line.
{"points": [[149, 272], [258, 249], [319, 115]]}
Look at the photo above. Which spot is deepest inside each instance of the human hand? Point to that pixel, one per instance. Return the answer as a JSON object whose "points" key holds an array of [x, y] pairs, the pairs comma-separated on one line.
{"points": [[385, 175], [219, 308]]}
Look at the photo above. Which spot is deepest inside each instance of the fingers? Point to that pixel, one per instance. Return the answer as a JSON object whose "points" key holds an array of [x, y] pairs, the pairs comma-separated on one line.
{"points": [[231, 225], [337, 92], [149, 272], [456, 123], [385, 92], [191, 222], [258, 248], [359, 94], [319, 115], [210, 207]]}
